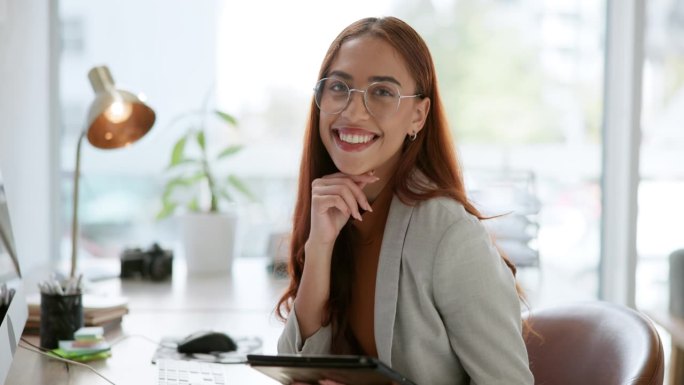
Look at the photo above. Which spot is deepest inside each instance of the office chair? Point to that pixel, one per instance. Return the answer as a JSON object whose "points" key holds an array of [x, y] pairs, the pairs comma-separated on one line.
{"points": [[595, 343]]}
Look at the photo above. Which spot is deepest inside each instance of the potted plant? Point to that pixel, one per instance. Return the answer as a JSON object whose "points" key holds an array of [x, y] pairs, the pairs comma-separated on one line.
{"points": [[197, 189]]}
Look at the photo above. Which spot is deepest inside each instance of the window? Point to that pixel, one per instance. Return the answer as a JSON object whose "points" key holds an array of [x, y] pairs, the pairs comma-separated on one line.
{"points": [[521, 80]]}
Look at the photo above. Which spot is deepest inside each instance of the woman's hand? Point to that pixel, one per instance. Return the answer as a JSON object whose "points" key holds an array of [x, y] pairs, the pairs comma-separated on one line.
{"points": [[334, 198]]}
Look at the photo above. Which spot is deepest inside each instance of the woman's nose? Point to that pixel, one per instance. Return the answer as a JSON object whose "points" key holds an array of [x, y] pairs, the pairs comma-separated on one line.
{"points": [[356, 105]]}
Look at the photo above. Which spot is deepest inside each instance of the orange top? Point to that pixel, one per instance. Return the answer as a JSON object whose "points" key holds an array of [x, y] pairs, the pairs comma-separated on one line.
{"points": [[366, 239]]}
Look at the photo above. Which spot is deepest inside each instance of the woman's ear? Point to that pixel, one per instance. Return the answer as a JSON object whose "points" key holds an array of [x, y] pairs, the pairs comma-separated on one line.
{"points": [[420, 113]]}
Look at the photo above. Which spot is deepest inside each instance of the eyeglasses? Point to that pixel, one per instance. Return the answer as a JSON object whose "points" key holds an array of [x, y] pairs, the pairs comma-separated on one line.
{"points": [[381, 99]]}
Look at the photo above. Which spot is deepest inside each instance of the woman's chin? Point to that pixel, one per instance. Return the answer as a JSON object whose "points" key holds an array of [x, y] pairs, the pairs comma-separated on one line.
{"points": [[353, 170]]}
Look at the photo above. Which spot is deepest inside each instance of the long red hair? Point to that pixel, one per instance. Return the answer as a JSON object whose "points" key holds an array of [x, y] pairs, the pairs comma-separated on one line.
{"points": [[431, 153]]}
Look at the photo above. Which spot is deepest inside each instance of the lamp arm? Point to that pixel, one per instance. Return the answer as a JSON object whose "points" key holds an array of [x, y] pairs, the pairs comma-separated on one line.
{"points": [[74, 216]]}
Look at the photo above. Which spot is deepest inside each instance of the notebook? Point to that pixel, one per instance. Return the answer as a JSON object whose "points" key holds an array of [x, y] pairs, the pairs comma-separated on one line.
{"points": [[358, 370]]}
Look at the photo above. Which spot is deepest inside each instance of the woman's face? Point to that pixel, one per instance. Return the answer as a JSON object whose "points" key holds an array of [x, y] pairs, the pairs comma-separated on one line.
{"points": [[357, 141]]}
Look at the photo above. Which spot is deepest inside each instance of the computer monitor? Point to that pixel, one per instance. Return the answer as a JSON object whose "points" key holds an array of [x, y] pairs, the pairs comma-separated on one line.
{"points": [[15, 313]]}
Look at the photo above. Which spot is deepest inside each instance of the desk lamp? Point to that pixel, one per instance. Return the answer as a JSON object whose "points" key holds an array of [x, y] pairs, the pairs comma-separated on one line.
{"points": [[116, 118]]}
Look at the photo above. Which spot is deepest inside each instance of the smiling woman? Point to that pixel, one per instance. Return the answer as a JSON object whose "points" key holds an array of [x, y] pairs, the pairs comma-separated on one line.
{"points": [[388, 256]]}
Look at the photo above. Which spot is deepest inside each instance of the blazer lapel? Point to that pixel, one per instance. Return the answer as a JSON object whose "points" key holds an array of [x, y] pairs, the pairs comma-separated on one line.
{"points": [[387, 280]]}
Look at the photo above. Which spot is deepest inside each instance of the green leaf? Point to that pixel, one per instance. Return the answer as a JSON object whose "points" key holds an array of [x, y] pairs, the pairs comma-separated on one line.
{"points": [[228, 151], [178, 150], [185, 161], [194, 205], [166, 195], [225, 195], [226, 117], [166, 210], [181, 181], [240, 186], [199, 176], [201, 139]]}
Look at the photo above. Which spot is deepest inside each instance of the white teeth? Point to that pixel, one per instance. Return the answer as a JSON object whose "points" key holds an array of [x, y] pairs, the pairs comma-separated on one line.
{"points": [[355, 139]]}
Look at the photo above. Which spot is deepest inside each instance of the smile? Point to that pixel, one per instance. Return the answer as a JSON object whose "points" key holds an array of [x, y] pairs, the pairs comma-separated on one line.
{"points": [[353, 140]]}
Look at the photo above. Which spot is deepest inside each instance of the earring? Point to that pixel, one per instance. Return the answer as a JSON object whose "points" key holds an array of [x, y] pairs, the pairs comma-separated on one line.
{"points": [[413, 136]]}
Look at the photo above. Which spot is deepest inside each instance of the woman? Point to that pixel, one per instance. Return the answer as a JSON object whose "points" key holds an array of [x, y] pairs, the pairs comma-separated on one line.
{"points": [[388, 256]]}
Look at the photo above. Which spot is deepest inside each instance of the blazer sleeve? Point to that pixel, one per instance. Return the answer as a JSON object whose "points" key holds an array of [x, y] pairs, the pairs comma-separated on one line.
{"points": [[475, 294], [290, 341]]}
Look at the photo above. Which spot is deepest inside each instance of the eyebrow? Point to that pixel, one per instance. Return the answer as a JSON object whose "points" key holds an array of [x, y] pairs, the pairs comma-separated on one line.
{"points": [[371, 79]]}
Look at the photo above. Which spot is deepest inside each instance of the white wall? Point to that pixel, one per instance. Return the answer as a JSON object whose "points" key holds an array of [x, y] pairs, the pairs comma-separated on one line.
{"points": [[26, 156]]}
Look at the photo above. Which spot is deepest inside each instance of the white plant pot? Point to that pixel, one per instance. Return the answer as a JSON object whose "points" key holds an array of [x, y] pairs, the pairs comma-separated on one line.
{"points": [[210, 242]]}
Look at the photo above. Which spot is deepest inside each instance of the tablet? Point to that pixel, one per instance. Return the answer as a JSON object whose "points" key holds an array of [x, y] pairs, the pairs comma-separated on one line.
{"points": [[350, 370]]}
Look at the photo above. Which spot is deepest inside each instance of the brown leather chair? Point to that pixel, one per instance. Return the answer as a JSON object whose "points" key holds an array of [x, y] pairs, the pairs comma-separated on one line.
{"points": [[593, 343]]}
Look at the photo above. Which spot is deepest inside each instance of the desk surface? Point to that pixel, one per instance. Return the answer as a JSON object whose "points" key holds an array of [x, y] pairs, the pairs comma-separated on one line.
{"points": [[240, 304]]}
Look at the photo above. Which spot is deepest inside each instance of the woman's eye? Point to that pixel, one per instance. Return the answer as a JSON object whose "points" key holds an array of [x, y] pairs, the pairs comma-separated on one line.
{"points": [[384, 91], [338, 87]]}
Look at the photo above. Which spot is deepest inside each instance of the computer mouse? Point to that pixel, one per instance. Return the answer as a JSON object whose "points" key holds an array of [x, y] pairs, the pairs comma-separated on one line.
{"points": [[206, 342]]}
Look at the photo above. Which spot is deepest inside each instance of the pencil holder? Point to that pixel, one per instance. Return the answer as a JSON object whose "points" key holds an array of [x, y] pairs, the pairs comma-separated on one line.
{"points": [[60, 317]]}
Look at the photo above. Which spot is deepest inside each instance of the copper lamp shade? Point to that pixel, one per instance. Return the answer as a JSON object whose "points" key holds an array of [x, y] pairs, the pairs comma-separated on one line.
{"points": [[116, 118]]}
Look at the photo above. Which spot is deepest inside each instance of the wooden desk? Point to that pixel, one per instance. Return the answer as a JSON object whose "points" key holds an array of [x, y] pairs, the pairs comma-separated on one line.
{"points": [[675, 326], [240, 305]]}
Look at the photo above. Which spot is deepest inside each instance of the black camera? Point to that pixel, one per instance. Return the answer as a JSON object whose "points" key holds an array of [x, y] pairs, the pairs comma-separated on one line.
{"points": [[154, 263]]}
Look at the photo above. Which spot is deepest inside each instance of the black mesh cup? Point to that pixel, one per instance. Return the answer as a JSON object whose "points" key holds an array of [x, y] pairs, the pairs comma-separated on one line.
{"points": [[60, 317]]}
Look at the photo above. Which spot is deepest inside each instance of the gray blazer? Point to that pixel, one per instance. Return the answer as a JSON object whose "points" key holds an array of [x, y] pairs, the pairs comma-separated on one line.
{"points": [[446, 309]]}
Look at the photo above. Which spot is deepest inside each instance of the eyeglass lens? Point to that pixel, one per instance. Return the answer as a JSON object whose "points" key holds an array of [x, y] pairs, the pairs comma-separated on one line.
{"points": [[332, 96]]}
